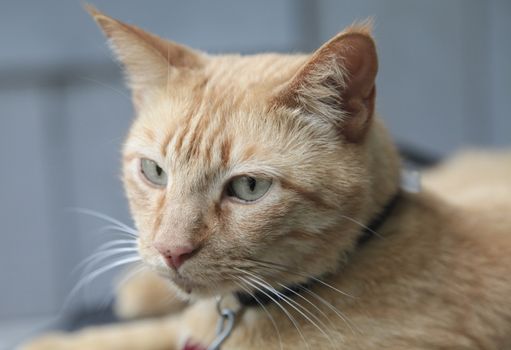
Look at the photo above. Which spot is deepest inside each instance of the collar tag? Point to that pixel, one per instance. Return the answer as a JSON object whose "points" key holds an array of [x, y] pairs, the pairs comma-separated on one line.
{"points": [[411, 180], [224, 326]]}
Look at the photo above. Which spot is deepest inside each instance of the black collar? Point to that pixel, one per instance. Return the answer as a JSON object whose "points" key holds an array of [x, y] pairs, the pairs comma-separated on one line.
{"points": [[372, 229], [259, 298]]}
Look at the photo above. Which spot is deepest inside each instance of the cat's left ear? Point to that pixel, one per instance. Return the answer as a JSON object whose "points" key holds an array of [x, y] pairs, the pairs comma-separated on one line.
{"points": [[337, 83], [147, 58]]}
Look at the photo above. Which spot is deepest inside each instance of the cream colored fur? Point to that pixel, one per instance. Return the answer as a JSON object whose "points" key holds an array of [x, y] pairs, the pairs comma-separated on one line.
{"points": [[437, 278]]}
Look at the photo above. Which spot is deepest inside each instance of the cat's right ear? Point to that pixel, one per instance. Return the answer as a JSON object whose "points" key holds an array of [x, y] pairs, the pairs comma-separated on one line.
{"points": [[148, 59]]}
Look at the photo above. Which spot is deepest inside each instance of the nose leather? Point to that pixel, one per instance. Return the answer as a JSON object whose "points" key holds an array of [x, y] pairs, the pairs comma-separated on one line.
{"points": [[175, 256]]}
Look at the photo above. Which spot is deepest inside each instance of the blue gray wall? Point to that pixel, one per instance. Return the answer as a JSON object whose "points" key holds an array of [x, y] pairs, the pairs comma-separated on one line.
{"points": [[445, 82]]}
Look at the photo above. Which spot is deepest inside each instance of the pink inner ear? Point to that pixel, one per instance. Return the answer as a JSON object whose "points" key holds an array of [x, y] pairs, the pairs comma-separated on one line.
{"points": [[191, 346], [361, 63]]}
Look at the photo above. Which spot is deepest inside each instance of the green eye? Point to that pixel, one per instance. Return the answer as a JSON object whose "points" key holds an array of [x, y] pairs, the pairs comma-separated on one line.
{"points": [[153, 172], [248, 188]]}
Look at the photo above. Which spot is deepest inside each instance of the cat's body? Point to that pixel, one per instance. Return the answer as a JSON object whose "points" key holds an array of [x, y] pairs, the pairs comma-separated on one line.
{"points": [[434, 277]]}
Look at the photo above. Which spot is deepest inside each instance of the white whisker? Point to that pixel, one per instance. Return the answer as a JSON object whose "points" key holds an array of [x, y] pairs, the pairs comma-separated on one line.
{"points": [[272, 320], [270, 265], [104, 217], [87, 279], [309, 302], [365, 227], [291, 318], [132, 274], [287, 269], [101, 83], [118, 229], [117, 242], [103, 255], [292, 303], [298, 304], [111, 295], [334, 309]]}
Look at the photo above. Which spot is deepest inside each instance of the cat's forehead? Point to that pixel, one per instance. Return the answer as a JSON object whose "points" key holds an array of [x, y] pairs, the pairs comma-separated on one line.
{"points": [[215, 117], [252, 71]]}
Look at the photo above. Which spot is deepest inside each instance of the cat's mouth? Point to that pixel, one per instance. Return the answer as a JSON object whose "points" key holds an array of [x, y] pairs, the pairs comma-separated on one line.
{"points": [[184, 284]]}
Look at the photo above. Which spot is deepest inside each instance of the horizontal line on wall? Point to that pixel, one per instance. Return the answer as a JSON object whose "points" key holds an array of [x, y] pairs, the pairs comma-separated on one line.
{"points": [[74, 72]]}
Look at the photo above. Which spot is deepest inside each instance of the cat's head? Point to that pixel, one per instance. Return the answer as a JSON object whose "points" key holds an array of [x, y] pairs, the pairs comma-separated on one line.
{"points": [[262, 165]]}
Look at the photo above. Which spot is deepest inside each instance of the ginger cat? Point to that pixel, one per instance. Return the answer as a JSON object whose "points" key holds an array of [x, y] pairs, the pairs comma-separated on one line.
{"points": [[256, 178]]}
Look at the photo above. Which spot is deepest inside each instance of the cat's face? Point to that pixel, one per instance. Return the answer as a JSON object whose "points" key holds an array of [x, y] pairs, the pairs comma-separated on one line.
{"points": [[236, 162], [206, 137]]}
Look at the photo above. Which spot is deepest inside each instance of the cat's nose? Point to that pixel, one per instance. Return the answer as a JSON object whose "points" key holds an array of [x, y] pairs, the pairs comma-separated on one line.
{"points": [[175, 256]]}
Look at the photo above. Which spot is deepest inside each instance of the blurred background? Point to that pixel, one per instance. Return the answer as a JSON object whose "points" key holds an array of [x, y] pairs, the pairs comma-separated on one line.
{"points": [[444, 83]]}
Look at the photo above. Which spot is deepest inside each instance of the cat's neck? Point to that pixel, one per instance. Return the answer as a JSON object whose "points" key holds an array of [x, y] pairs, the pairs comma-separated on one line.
{"points": [[384, 166]]}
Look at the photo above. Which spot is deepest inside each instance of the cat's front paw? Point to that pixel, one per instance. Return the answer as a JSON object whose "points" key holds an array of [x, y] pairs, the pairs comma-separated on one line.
{"points": [[146, 294], [53, 341], [73, 341]]}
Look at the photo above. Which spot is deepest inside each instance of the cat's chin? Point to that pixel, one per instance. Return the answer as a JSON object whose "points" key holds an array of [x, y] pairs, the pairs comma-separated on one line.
{"points": [[187, 288], [192, 290], [186, 285]]}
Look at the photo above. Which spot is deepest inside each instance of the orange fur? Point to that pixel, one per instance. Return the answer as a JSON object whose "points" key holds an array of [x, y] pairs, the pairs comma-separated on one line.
{"points": [[436, 279]]}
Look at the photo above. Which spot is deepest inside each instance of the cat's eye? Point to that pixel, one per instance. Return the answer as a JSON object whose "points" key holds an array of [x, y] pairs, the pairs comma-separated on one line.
{"points": [[153, 172], [248, 188]]}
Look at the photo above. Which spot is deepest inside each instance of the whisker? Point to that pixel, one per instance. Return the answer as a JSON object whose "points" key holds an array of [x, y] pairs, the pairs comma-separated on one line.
{"points": [[90, 277], [292, 271], [111, 295], [117, 229], [299, 305], [291, 318], [292, 303], [103, 84], [365, 227], [333, 308], [171, 296], [309, 302], [117, 242], [97, 257], [104, 217], [239, 284], [139, 269], [270, 265]]}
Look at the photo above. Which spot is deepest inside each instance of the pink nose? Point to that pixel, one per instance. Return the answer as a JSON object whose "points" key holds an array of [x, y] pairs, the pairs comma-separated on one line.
{"points": [[175, 256]]}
